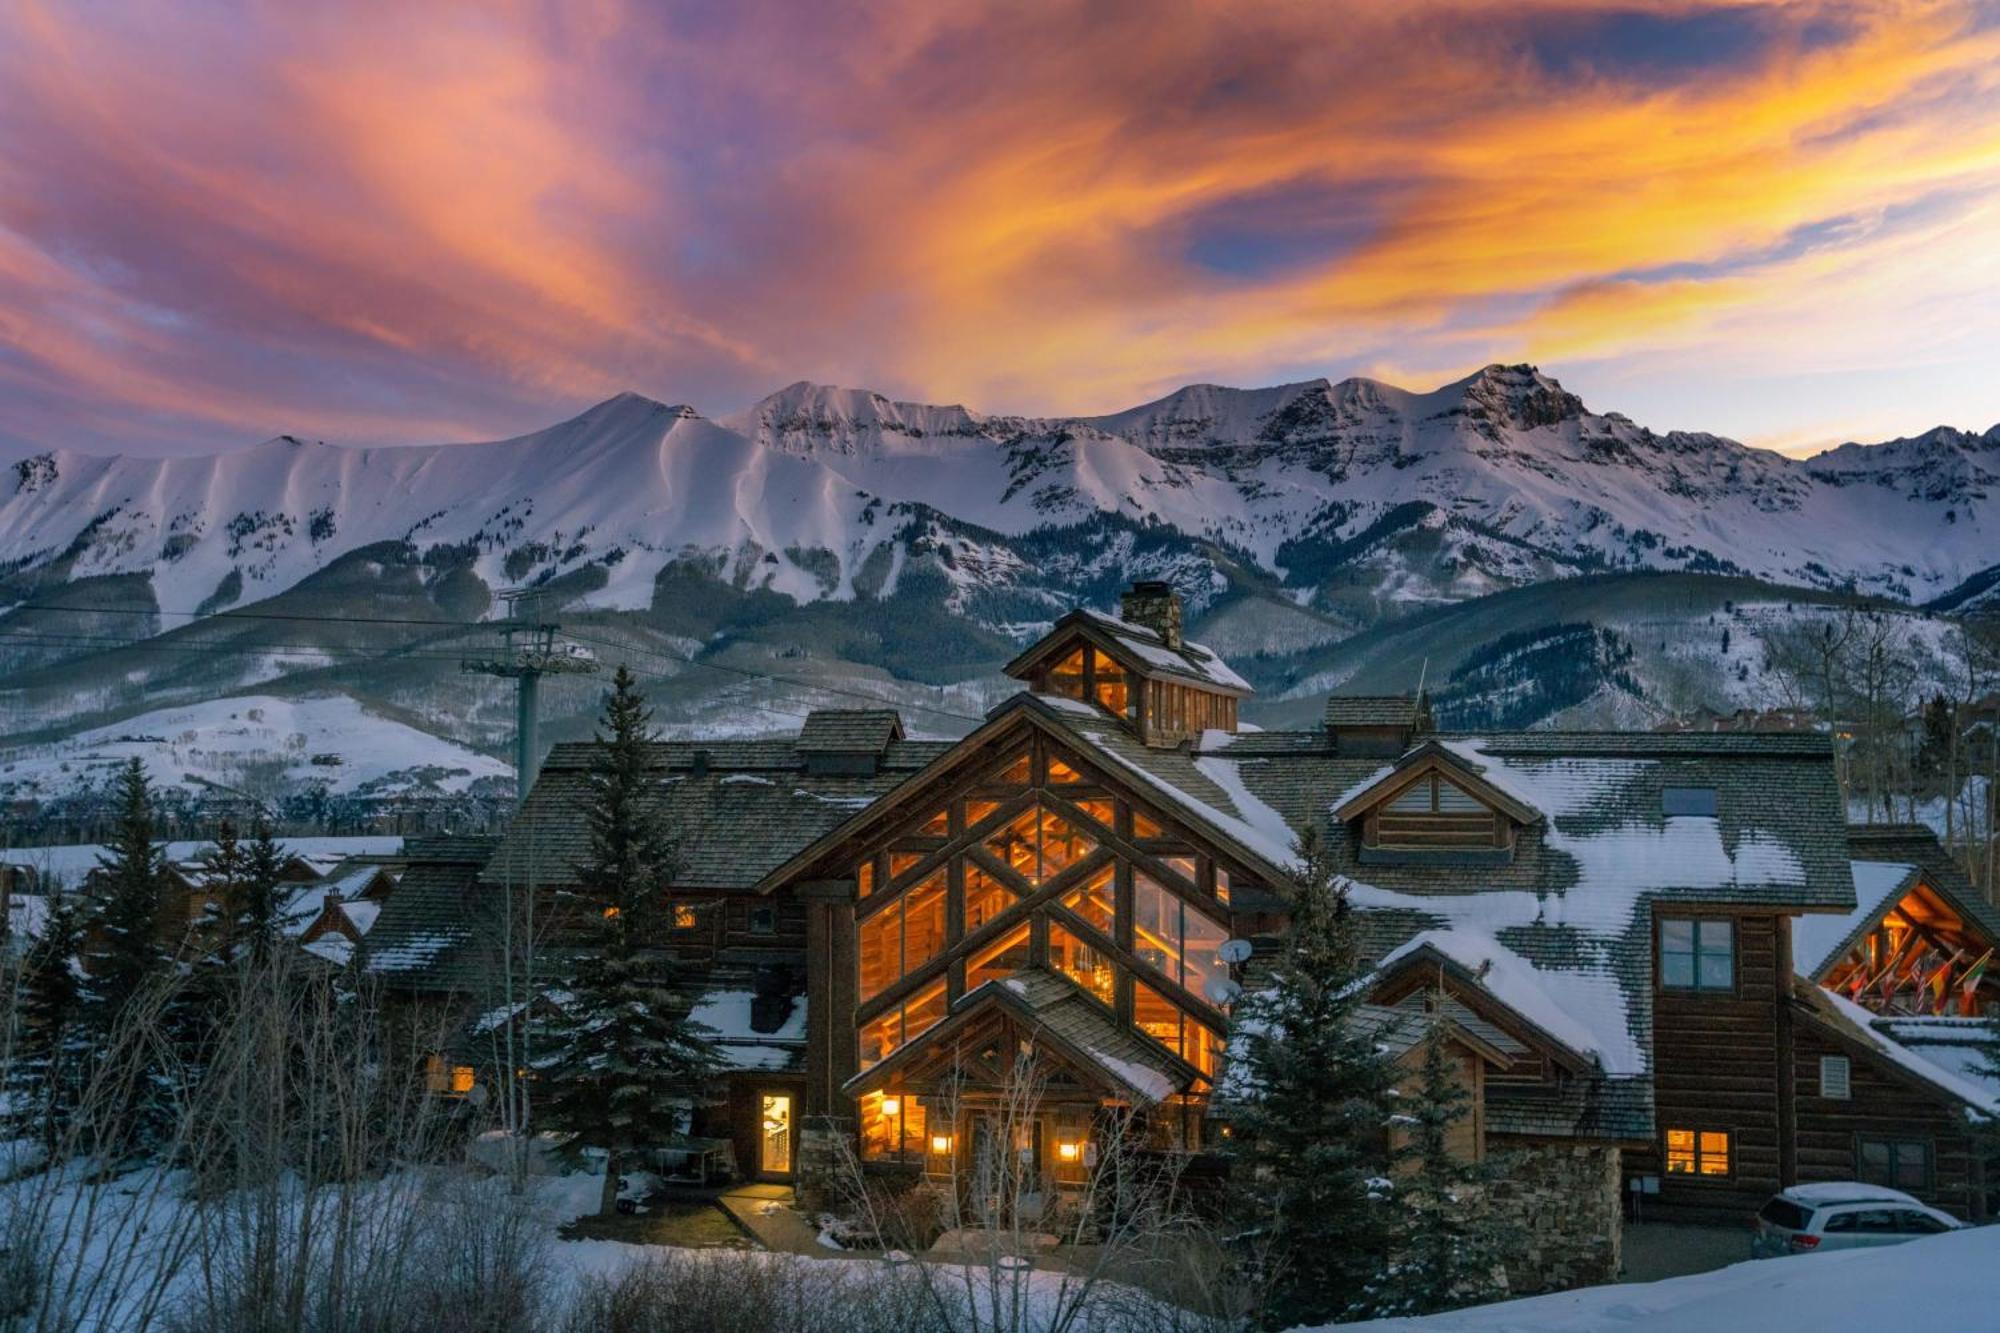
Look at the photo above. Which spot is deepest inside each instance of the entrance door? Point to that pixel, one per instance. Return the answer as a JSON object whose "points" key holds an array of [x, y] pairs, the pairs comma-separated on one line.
{"points": [[774, 1139]]}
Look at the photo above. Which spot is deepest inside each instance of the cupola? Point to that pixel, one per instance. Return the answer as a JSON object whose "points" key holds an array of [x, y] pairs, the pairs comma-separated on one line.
{"points": [[1136, 666]]}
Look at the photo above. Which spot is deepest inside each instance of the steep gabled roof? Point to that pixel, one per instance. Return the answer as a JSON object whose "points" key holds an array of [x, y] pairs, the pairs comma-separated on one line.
{"points": [[425, 936], [1138, 648], [1946, 1056], [1528, 999], [1890, 861]]}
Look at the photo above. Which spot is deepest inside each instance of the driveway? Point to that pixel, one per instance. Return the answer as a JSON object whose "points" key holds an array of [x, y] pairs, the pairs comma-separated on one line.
{"points": [[1654, 1250]]}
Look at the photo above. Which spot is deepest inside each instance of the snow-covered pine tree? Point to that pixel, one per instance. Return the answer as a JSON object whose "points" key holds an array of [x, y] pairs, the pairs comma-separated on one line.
{"points": [[1313, 1215], [224, 876], [1450, 1248], [627, 1055], [1314, 1222], [47, 1068]]}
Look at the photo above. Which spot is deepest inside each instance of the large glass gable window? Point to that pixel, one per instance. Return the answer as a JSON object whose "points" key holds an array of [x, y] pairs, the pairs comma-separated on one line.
{"points": [[1039, 844]]}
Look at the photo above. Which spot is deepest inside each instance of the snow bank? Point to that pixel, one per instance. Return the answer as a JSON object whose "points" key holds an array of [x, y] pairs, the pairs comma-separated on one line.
{"points": [[1947, 1282]]}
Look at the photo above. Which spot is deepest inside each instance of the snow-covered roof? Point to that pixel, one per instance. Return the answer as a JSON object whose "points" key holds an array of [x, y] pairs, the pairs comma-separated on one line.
{"points": [[68, 864], [731, 1014], [1949, 1054], [1818, 941], [1193, 660], [1584, 1011]]}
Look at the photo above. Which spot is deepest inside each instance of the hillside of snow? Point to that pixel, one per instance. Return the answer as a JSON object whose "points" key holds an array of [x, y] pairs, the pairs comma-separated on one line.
{"points": [[256, 742]]}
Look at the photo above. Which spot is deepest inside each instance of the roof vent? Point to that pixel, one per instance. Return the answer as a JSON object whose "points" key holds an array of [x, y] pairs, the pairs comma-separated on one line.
{"points": [[1154, 604]]}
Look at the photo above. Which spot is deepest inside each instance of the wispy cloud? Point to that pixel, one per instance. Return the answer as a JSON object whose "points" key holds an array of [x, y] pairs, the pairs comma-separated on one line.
{"points": [[398, 222]]}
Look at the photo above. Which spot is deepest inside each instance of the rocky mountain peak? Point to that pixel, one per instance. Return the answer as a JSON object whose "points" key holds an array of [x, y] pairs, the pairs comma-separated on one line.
{"points": [[1517, 397]]}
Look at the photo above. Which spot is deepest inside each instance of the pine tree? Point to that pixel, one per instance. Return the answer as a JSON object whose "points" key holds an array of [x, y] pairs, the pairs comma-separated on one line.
{"points": [[127, 887], [47, 1069], [263, 871], [1449, 1249], [224, 876], [1315, 1226], [628, 1054], [126, 967]]}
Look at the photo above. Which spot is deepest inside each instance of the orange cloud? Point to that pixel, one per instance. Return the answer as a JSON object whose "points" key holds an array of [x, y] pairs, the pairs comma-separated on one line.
{"points": [[396, 221]]}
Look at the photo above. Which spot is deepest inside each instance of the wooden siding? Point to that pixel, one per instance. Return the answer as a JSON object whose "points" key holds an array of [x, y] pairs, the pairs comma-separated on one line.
{"points": [[1715, 1067], [1884, 1103]]}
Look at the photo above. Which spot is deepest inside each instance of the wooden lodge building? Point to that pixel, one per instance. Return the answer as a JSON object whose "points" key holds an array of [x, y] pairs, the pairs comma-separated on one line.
{"points": [[1634, 936]]}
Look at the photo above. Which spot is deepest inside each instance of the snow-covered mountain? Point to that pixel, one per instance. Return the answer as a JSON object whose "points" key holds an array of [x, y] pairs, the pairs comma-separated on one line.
{"points": [[729, 552], [1497, 480]]}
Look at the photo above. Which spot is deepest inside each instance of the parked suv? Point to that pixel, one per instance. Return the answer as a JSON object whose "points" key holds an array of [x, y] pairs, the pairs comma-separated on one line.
{"points": [[1842, 1215]]}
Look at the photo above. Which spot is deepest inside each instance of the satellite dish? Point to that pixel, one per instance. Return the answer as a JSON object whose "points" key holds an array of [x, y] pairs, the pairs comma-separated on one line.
{"points": [[1234, 951], [1221, 991]]}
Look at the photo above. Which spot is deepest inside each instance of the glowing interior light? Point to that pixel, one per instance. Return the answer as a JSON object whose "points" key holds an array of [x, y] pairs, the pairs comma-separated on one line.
{"points": [[891, 1105]]}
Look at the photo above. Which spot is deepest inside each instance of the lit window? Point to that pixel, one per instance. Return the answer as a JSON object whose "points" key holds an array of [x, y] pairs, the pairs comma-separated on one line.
{"points": [[1101, 810], [1162, 1020], [900, 863], [892, 1126], [1697, 1152], [1082, 964], [1174, 938], [864, 878], [447, 1079], [1002, 958], [1094, 900], [985, 897], [1698, 955], [937, 825], [1113, 694], [1066, 676], [685, 917], [1038, 844], [1222, 886], [1835, 1078], [976, 810], [1061, 773], [1016, 772], [902, 937], [1145, 826], [900, 1023]]}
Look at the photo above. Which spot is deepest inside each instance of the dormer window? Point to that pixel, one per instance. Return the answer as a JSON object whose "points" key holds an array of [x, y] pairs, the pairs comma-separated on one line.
{"points": [[1433, 805], [1089, 674]]}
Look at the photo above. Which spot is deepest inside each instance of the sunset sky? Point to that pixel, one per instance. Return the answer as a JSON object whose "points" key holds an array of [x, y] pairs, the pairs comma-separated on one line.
{"points": [[415, 222]]}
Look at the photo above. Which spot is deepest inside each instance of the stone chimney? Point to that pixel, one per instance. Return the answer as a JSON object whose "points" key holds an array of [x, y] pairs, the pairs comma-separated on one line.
{"points": [[1154, 604]]}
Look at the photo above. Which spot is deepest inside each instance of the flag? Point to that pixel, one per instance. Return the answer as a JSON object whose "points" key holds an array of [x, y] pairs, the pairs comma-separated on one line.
{"points": [[1970, 981], [1940, 983]]}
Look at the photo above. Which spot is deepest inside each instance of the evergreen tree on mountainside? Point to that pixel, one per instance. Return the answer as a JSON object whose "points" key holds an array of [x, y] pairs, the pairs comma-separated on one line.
{"points": [[48, 1064], [263, 877], [1314, 1221], [1449, 1251], [628, 1056]]}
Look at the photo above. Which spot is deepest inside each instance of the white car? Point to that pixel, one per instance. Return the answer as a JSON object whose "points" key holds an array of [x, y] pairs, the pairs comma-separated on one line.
{"points": [[1843, 1215]]}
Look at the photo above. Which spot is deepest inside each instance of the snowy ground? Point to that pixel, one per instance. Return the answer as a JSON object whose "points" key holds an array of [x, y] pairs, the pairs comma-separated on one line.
{"points": [[1943, 1282], [255, 737]]}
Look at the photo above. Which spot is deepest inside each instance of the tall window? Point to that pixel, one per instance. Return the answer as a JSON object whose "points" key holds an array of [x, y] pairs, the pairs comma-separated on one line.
{"points": [[1164, 1021], [1178, 940], [892, 1126], [902, 1022], [1082, 963], [1697, 1152], [1698, 955], [903, 936]]}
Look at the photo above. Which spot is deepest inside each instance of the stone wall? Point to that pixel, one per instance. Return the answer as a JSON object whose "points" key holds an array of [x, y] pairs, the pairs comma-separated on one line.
{"points": [[825, 1154], [1560, 1203]]}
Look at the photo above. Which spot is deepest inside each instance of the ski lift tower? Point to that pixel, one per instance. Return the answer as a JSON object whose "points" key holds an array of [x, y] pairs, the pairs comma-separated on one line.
{"points": [[530, 651]]}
